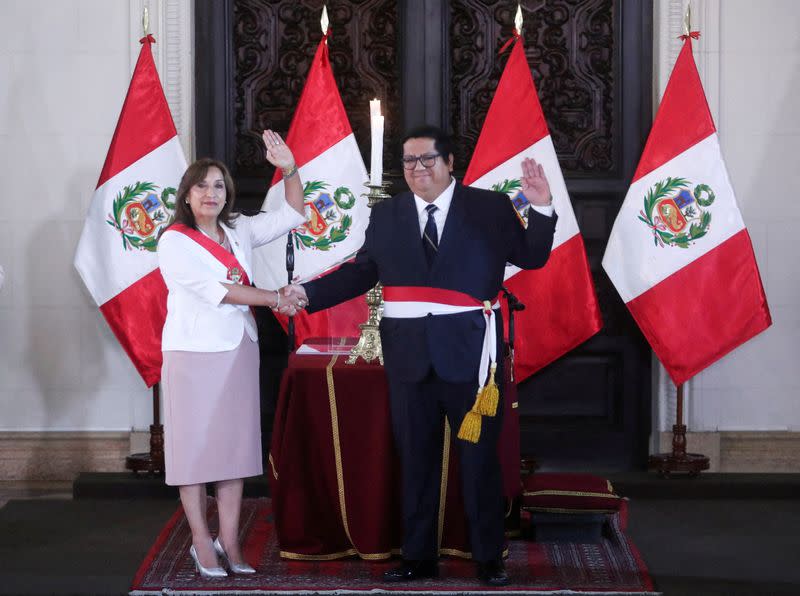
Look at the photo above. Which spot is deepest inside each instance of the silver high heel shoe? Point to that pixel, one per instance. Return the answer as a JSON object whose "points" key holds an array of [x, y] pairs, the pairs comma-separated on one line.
{"points": [[206, 572], [235, 567]]}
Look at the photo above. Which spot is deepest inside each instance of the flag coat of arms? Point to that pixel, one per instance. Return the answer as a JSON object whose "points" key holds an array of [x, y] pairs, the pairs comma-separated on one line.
{"points": [[679, 253], [562, 309], [133, 202], [333, 175]]}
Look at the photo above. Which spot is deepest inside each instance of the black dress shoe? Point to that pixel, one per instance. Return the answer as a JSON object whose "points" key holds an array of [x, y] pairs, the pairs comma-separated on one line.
{"points": [[493, 573], [409, 570]]}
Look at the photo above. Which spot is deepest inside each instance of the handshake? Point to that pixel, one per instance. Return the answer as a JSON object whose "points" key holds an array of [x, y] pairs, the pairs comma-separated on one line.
{"points": [[291, 299]]}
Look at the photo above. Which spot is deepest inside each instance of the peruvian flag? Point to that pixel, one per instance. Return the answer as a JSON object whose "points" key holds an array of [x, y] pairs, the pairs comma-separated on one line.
{"points": [[333, 175], [134, 200], [562, 309], [679, 253]]}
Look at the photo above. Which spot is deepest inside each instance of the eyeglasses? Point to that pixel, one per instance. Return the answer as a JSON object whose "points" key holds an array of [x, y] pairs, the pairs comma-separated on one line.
{"points": [[427, 160]]}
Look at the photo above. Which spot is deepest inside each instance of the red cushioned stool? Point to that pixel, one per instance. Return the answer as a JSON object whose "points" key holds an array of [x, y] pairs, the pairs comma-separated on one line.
{"points": [[568, 507]]}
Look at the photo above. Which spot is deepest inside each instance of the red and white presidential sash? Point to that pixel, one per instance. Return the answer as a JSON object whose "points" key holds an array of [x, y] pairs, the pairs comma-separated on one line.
{"points": [[410, 302], [236, 272]]}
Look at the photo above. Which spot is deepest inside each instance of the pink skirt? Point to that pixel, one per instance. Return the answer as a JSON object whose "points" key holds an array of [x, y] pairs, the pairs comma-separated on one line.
{"points": [[212, 415]]}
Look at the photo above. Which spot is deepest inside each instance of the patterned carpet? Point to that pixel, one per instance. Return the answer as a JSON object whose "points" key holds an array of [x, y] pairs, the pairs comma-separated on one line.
{"points": [[612, 566]]}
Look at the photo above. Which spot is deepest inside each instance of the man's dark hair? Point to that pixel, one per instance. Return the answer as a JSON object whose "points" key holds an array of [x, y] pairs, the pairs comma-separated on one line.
{"points": [[441, 140]]}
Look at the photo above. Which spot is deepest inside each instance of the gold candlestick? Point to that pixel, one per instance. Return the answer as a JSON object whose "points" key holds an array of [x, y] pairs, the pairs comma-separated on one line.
{"points": [[369, 344]]}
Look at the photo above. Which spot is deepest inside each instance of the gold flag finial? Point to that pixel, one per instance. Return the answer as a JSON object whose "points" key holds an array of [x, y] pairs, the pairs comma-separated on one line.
{"points": [[324, 22], [687, 19], [518, 19], [146, 21]]}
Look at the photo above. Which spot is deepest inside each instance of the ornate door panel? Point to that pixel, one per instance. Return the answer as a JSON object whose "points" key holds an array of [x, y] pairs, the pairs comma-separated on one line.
{"points": [[436, 61], [591, 63], [261, 54]]}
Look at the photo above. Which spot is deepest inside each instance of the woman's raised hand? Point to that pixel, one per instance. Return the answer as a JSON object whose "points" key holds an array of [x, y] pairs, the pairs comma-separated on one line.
{"points": [[278, 152]]}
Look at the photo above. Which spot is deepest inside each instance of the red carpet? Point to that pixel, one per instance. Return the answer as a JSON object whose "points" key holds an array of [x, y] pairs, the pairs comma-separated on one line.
{"points": [[613, 566]]}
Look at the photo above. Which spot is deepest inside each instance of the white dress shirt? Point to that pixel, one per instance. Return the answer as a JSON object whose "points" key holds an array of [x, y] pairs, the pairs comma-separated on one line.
{"points": [[443, 202]]}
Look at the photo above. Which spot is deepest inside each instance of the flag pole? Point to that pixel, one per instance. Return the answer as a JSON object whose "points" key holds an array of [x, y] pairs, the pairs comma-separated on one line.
{"points": [[687, 19], [290, 277], [146, 22], [152, 462], [290, 327], [678, 460]]}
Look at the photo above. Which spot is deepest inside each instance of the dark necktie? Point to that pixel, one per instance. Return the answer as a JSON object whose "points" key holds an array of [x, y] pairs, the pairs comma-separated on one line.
{"points": [[430, 236]]}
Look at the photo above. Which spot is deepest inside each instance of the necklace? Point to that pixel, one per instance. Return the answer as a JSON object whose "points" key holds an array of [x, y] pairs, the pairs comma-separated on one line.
{"points": [[207, 235]]}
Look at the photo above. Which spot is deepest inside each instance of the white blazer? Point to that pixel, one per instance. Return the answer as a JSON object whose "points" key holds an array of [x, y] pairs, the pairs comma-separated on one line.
{"points": [[197, 320]]}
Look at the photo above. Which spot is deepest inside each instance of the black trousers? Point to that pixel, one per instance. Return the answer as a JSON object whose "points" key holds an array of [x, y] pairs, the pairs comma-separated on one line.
{"points": [[418, 411]]}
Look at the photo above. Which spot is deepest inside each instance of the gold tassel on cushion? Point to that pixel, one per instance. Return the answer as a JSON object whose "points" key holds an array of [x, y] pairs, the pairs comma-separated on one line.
{"points": [[471, 425], [489, 396]]}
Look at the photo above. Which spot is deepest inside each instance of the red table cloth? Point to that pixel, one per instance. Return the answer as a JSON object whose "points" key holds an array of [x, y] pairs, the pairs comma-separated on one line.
{"points": [[334, 472]]}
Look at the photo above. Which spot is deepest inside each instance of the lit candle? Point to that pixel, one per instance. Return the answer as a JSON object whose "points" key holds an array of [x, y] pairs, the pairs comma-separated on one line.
{"points": [[376, 157]]}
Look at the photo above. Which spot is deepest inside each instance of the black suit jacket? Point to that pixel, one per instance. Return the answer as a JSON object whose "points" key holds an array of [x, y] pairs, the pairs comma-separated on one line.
{"points": [[481, 234]]}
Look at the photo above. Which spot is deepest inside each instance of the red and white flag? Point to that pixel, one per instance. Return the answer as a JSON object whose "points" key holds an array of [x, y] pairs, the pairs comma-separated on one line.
{"points": [[679, 253], [562, 309], [133, 201], [333, 175]]}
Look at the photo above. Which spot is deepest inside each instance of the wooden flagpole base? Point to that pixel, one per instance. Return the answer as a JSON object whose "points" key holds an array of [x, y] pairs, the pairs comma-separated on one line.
{"points": [[153, 462], [668, 463], [678, 461]]}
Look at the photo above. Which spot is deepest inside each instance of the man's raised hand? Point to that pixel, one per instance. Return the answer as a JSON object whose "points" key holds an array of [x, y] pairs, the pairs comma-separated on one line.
{"points": [[535, 186]]}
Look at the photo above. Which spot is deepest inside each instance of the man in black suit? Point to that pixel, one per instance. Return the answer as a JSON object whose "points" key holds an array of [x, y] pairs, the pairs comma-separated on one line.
{"points": [[440, 252]]}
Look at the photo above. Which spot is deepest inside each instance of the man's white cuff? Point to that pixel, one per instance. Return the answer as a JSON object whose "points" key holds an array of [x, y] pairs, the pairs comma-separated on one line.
{"points": [[547, 210]]}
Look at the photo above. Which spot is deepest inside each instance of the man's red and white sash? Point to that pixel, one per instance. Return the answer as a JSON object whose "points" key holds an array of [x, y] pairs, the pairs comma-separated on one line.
{"points": [[236, 272], [411, 302]]}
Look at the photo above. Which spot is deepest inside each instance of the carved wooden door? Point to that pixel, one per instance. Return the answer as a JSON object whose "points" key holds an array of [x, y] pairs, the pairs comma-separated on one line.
{"points": [[436, 61]]}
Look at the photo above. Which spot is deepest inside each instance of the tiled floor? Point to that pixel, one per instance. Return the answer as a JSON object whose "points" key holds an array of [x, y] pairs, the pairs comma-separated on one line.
{"points": [[34, 490]]}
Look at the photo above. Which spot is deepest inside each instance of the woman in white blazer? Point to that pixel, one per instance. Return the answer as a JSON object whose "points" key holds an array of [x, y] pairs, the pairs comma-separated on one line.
{"points": [[212, 423]]}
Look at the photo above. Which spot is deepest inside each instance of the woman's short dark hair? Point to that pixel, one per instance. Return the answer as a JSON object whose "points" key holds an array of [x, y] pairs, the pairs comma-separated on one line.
{"points": [[441, 140], [196, 173]]}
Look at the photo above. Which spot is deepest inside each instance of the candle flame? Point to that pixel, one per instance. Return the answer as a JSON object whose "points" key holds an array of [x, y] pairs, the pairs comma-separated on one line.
{"points": [[375, 107]]}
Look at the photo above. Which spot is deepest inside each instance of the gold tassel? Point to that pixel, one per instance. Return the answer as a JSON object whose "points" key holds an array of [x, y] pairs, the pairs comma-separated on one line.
{"points": [[470, 428], [489, 396], [471, 425]]}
